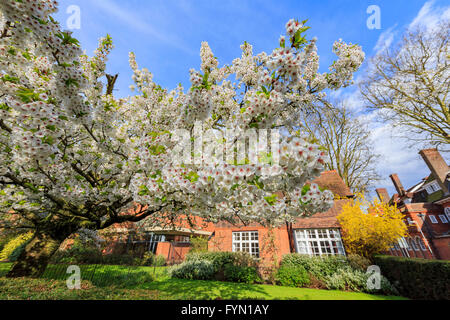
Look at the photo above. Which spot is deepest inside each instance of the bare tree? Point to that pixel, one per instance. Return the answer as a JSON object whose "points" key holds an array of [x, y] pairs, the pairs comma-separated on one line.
{"points": [[409, 85], [347, 142]]}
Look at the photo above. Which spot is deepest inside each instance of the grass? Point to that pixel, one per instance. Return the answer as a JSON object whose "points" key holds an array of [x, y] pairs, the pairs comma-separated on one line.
{"points": [[177, 289], [149, 283]]}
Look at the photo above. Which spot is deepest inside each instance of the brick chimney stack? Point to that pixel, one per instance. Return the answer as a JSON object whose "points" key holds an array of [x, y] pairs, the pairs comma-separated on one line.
{"points": [[383, 195], [398, 185], [437, 166]]}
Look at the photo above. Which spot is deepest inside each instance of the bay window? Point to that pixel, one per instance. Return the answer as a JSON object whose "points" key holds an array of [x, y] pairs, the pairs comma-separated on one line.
{"points": [[319, 242]]}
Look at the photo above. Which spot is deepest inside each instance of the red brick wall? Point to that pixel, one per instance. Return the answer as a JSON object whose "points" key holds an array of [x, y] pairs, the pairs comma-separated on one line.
{"points": [[443, 247], [427, 231], [222, 240]]}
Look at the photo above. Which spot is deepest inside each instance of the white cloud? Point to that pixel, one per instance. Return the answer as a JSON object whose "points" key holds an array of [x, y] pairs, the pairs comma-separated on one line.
{"points": [[385, 40], [396, 157], [430, 16]]}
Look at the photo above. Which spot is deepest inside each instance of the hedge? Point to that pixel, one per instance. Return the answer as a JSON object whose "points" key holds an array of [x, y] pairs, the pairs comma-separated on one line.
{"points": [[417, 278]]}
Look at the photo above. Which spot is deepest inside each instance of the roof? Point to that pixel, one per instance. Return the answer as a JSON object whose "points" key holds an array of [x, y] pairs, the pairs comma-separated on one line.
{"points": [[430, 178], [322, 220], [178, 231], [332, 181], [417, 187]]}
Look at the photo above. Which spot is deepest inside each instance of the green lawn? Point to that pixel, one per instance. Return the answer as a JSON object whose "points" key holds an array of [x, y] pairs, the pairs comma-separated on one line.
{"points": [[120, 283]]}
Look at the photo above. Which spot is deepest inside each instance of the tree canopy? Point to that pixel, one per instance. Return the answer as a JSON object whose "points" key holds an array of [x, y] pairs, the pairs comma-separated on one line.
{"points": [[75, 157]]}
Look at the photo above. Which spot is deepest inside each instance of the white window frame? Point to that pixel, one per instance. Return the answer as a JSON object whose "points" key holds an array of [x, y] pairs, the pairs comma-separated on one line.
{"points": [[319, 242], [246, 241], [447, 213], [403, 244], [155, 239], [433, 219], [185, 239], [443, 218], [433, 187], [421, 243], [413, 244]]}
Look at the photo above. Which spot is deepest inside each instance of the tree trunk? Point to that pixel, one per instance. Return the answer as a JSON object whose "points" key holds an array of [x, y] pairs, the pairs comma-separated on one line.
{"points": [[35, 257], [290, 232]]}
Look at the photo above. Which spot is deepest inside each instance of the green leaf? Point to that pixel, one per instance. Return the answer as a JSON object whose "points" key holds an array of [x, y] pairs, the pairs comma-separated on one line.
{"points": [[305, 189], [51, 128], [8, 78], [4, 106], [48, 140], [27, 95], [26, 55], [70, 82], [143, 191], [271, 199], [67, 39]]}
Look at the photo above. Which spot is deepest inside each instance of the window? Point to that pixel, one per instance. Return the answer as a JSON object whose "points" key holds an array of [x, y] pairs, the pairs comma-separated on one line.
{"points": [[443, 218], [403, 243], [447, 212], [421, 243], [154, 240], [246, 242], [433, 219], [432, 187], [413, 244], [184, 239], [319, 242]]}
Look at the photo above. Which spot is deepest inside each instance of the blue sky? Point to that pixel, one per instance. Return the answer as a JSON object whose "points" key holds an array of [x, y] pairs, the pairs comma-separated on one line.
{"points": [[166, 37]]}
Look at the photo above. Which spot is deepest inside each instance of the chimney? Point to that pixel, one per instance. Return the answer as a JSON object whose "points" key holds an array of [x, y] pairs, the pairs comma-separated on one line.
{"points": [[383, 195], [398, 185], [437, 166]]}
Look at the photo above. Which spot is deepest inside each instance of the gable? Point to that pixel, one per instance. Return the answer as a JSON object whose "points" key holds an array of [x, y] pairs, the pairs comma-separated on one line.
{"points": [[332, 181]]}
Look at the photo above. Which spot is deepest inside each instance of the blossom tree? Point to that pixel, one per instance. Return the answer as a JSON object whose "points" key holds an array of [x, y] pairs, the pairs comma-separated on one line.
{"points": [[73, 157]]}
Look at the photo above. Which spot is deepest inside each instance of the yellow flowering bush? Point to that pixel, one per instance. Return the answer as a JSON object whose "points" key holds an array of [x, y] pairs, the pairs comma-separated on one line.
{"points": [[14, 244], [370, 227]]}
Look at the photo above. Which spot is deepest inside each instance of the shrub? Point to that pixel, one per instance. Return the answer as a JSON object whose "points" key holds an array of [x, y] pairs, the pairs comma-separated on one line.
{"points": [[4, 241], [118, 259], [318, 267], [417, 278], [370, 227], [148, 259], [347, 279], [78, 254], [292, 276], [358, 262], [199, 244], [242, 274], [357, 280], [16, 253], [193, 270], [221, 259], [19, 242], [159, 261], [387, 288]]}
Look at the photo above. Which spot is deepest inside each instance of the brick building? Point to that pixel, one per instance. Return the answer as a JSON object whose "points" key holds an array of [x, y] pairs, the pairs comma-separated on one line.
{"points": [[426, 208], [317, 235]]}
